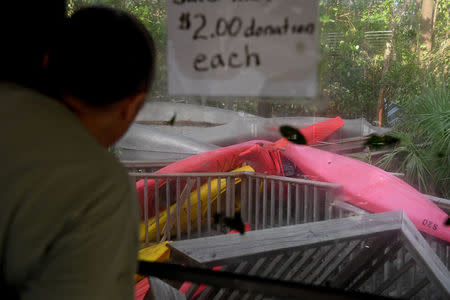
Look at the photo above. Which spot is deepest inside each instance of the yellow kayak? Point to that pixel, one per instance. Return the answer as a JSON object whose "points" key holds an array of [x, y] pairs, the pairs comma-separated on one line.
{"points": [[193, 205], [155, 253]]}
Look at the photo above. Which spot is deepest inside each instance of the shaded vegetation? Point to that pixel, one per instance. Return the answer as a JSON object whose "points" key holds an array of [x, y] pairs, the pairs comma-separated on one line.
{"points": [[424, 151], [355, 71]]}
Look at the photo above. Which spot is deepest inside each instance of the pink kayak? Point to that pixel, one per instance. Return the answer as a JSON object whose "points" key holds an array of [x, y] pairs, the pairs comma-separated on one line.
{"points": [[219, 160], [228, 158], [370, 188]]}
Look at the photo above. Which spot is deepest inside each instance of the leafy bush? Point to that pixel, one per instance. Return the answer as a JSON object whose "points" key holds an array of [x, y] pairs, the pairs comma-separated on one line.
{"points": [[424, 151]]}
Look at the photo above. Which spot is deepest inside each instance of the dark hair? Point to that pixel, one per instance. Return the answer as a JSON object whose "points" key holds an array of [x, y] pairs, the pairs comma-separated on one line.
{"points": [[27, 31], [104, 55]]}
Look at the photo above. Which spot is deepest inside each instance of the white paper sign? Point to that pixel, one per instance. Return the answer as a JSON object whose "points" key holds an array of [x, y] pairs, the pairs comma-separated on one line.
{"points": [[243, 48]]}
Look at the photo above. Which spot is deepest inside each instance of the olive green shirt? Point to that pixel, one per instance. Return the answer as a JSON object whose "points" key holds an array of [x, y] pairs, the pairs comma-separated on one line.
{"points": [[68, 213]]}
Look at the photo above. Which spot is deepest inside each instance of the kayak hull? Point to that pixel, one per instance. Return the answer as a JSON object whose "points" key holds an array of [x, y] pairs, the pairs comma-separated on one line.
{"points": [[370, 188]]}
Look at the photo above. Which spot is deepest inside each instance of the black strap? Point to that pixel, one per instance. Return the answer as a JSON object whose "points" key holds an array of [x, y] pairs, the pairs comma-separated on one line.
{"points": [[266, 286]]}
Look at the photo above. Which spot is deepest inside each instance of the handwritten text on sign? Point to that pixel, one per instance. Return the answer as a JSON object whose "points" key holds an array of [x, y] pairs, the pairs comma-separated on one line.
{"points": [[243, 48]]}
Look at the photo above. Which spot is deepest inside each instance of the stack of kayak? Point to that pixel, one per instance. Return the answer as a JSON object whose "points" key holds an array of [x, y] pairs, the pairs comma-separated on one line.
{"points": [[165, 131], [363, 185]]}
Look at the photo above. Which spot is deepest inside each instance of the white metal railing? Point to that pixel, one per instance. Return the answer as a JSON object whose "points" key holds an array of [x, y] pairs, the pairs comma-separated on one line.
{"points": [[263, 200]]}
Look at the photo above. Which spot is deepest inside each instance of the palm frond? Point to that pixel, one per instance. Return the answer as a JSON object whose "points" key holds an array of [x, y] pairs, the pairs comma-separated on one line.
{"points": [[424, 152]]}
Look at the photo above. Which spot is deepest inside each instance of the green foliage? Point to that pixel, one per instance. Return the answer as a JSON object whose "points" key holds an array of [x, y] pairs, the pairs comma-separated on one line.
{"points": [[424, 152], [351, 68], [354, 70], [351, 72]]}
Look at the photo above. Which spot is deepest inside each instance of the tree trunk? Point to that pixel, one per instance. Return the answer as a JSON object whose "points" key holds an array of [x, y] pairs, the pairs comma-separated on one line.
{"points": [[435, 13], [415, 24], [386, 60], [426, 26], [433, 25]]}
